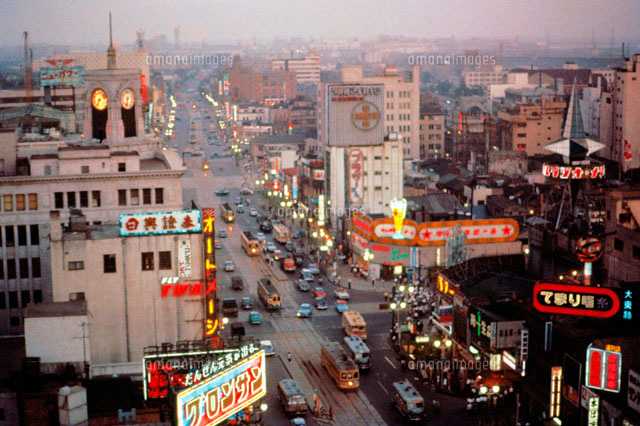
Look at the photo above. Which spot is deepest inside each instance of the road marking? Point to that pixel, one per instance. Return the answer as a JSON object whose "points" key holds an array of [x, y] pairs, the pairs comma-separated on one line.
{"points": [[382, 387], [386, 358]]}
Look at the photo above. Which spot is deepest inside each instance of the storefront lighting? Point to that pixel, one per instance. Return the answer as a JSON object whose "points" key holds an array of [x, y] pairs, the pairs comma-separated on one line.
{"points": [[393, 306], [437, 343], [495, 388], [483, 390], [574, 273], [314, 234], [225, 321], [269, 194], [401, 289], [448, 343], [403, 305], [329, 243], [282, 203], [410, 289], [264, 407]]}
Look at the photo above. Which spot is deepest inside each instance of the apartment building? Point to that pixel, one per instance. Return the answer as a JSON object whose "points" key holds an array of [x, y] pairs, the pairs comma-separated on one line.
{"points": [[626, 114], [306, 70], [432, 129], [486, 77]]}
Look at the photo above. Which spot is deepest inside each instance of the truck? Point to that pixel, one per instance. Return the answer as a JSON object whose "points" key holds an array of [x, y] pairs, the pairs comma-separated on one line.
{"points": [[269, 295], [281, 233]]}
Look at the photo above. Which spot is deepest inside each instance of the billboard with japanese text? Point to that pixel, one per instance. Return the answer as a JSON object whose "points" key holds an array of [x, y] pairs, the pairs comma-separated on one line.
{"points": [[160, 223]]}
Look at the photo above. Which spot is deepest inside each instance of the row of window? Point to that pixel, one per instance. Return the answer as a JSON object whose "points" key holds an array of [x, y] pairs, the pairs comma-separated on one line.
{"points": [[77, 199], [134, 196], [20, 269], [109, 262], [19, 202], [10, 300], [9, 235], [618, 245]]}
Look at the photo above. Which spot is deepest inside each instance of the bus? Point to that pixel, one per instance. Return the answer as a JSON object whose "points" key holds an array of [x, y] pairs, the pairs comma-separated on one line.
{"points": [[408, 401], [228, 214], [359, 351], [250, 243], [354, 325], [291, 397], [269, 295], [342, 369], [281, 233]]}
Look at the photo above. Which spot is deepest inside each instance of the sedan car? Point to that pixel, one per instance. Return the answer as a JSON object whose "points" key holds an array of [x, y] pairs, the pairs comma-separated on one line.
{"points": [[255, 318], [229, 266], [267, 346], [260, 237], [322, 305], [307, 276], [342, 294], [289, 247], [303, 285], [341, 306], [246, 303], [277, 255], [270, 247], [222, 192], [266, 227], [319, 293], [253, 212], [237, 200], [222, 233], [313, 268], [246, 191], [304, 311], [298, 421]]}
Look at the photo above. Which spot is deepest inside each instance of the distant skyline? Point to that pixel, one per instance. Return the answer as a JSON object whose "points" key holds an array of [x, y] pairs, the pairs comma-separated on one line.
{"points": [[82, 22]]}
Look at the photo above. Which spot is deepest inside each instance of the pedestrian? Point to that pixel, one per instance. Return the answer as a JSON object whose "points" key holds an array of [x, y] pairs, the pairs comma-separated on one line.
{"points": [[373, 283], [289, 356], [349, 283]]}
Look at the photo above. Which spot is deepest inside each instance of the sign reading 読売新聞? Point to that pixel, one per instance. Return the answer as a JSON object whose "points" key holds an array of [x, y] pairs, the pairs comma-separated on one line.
{"points": [[160, 223]]}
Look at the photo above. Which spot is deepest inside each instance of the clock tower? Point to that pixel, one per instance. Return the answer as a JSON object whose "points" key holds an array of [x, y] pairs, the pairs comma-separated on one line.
{"points": [[113, 101]]}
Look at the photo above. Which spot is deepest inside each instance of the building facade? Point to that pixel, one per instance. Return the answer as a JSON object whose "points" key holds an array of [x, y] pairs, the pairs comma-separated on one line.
{"points": [[306, 70], [432, 129], [626, 114]]}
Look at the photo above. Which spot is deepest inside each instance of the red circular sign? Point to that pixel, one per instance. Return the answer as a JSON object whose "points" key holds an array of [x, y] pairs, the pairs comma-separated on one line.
{"points": [[588, 249]]}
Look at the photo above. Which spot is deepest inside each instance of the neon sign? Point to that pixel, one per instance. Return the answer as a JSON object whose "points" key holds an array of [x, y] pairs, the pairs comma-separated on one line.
{"points": [[573, 172], [604, 369], [217, 398], [444, 286], [171, 286], [211, 324], [398, 212], [160, 223], [576, 300], [588, 249]]}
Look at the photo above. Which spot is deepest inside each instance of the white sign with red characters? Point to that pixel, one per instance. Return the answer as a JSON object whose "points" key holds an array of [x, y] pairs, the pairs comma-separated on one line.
{"points": [[573, 172], [160, 223]]}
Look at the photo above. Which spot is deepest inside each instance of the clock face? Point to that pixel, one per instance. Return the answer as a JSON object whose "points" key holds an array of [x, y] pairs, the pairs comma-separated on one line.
{"points": [[127, 99], [99, 99]]}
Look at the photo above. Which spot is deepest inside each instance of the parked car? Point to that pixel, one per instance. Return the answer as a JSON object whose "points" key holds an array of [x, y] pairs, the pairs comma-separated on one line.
{"points": [[341, 306], [246, 303], [229, 266], [237, 283], [321, 304], [304, 311], [319, 293], [303, 285], [267, 346], [255, 318]]}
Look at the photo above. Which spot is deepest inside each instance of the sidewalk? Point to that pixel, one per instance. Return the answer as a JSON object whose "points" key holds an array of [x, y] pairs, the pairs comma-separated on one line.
{"points": [[358, 282]]}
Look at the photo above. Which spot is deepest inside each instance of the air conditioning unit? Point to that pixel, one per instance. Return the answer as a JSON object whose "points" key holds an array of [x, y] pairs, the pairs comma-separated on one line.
{"points": [[126, 416]]}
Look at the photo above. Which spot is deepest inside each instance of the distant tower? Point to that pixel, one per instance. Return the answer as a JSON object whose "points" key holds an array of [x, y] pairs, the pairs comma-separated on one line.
{"points": [[28, 65], [176, 37], [140, 39], [111, 51]]}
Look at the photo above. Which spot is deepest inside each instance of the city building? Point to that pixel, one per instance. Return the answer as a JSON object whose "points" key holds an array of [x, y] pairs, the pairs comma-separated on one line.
{"points": [[276, 152], [625, 146], [432, 129], [246, 84], [306, 70], [485, 78], [622, 247], [529, 127]]}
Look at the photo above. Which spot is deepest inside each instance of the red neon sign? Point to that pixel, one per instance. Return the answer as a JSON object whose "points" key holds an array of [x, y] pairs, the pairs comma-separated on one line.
{"points": [[576, 300], [603, 369]]}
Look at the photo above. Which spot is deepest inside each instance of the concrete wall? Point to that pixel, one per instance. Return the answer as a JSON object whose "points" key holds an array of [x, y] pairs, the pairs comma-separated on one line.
{"points": [[57, 339]]}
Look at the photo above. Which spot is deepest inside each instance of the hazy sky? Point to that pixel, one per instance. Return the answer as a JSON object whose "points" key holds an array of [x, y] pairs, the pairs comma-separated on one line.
{"points": [[85, 21]]}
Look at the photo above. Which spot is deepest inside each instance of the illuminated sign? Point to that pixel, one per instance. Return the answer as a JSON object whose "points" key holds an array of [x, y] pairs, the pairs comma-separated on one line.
{"points": [[633, 393], [573, 172], [577, 300], [495, 362], [185, 258], [160, 223], [588, 249], [356, 177], [556, 386], [62, 75], [216, 399], [509, 360], [479, 327], [444, 286], [365, 116], [604, 369], [321, 210], [398, 212], [627, 305], [594, 411], [171, 286], [211, 324]]}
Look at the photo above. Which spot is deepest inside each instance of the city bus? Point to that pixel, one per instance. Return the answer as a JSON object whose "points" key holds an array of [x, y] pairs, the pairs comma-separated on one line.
{"points": [[228, 215], [354, 325], [342, 369], [269, 295], [281, 233], [291, 397], [250, 243], [408, 401], [359, 351]]}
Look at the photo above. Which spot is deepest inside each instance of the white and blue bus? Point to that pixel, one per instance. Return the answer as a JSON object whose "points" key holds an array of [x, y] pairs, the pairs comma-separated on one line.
{"points": [[359, 351]]}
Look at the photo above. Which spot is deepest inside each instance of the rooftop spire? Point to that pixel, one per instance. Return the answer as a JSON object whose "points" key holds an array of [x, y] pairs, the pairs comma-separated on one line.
{"points": [[573, 126], [111, 51]]}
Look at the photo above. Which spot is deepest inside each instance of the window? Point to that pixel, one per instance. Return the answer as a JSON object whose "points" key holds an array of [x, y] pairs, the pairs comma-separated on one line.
{"points": [[13, 300], [164, 259], [122, 197], [58, 200], [35, 267], [135, 197], [25, 298], [20, 202], [7, 202], [122, 167], [3, 301], [636, 252], [47, 170], [75, 265], [14, 321], [147, 261], [24, 267], [22, 235], [37, 296], [84, 199], [109, 263], [33, 201], [9, 236], [618, 244], [95, 199], [159, 196], [71, 199], [1, 269], [34, 230], [146, 196], [84, 170]]}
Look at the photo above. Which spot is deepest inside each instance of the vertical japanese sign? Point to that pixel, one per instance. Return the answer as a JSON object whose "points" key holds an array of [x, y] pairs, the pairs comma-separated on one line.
{"points": [[356, 178], [211, 325], [185, 259]]}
